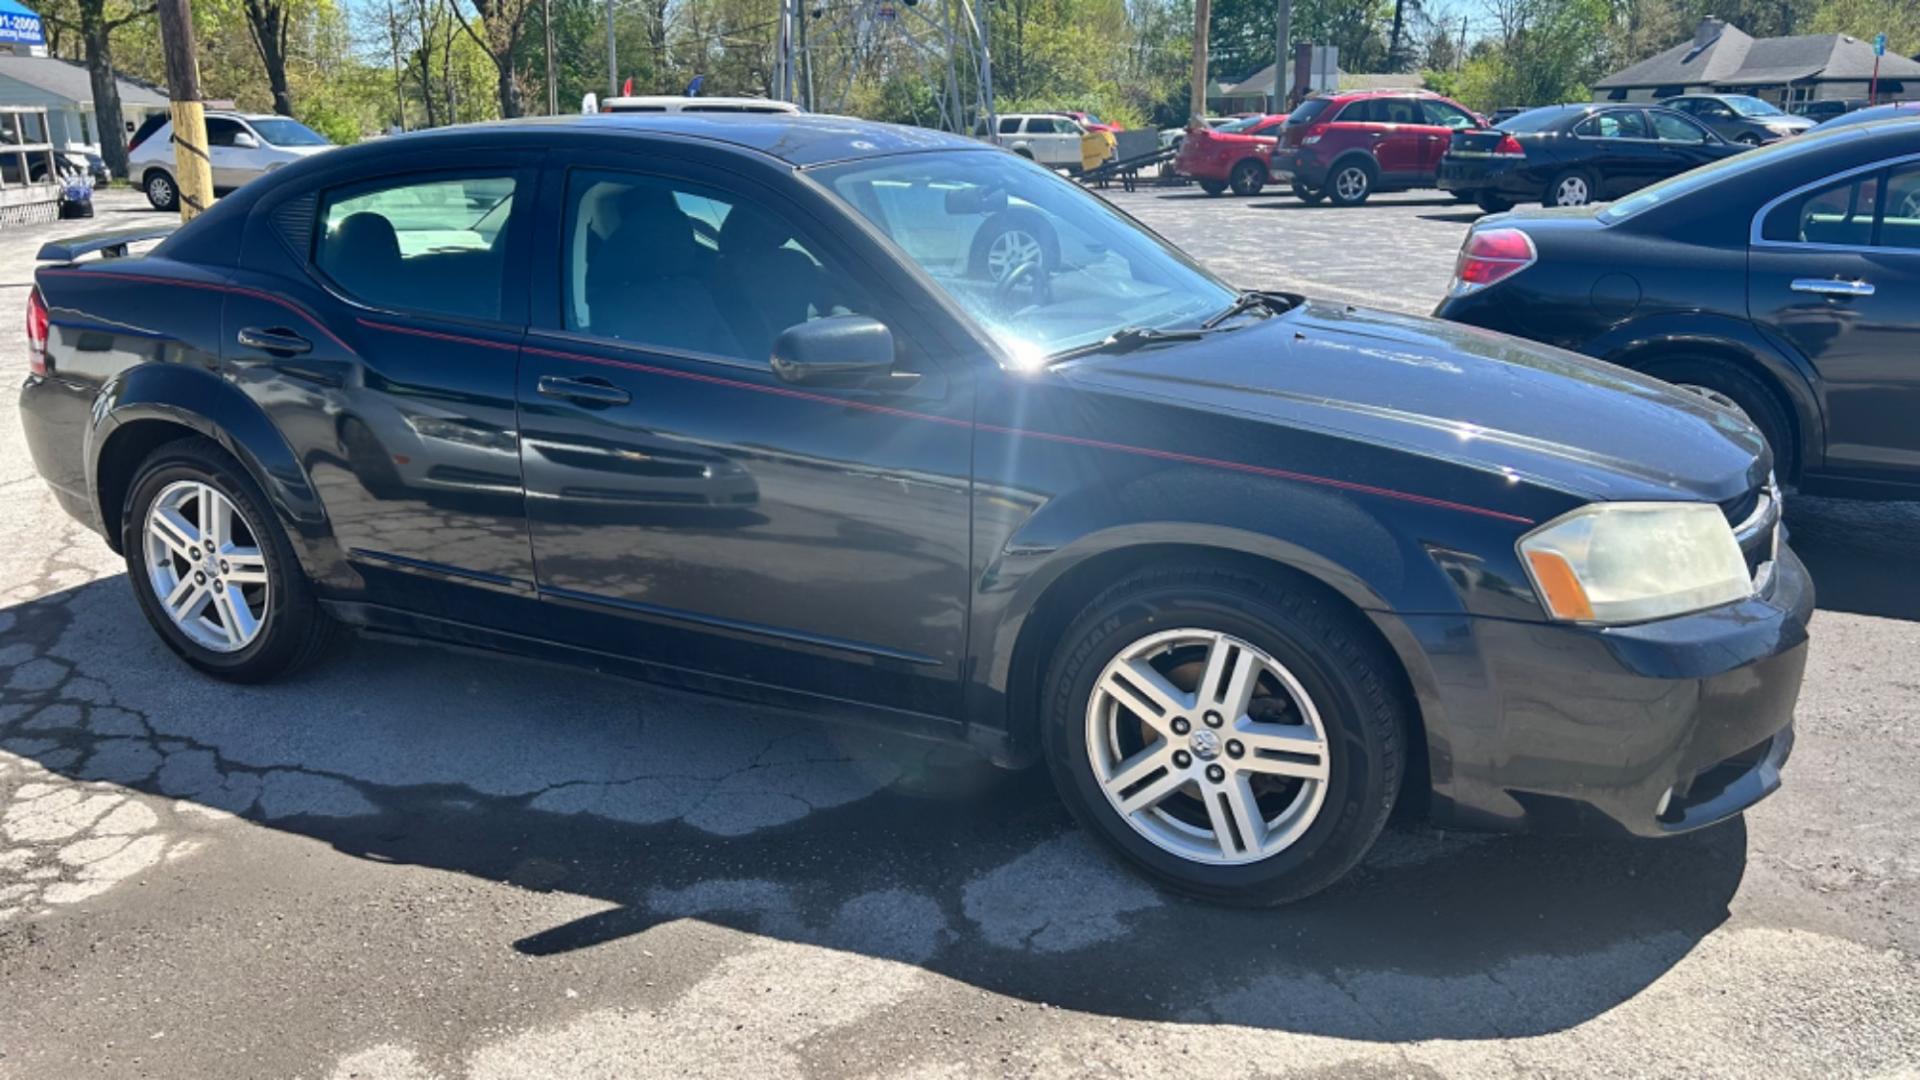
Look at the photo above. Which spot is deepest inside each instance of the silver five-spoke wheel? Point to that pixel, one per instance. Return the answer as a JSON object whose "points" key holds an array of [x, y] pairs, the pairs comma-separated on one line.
{"points": [[1207, 746], [205, 566], [1351, 182]]}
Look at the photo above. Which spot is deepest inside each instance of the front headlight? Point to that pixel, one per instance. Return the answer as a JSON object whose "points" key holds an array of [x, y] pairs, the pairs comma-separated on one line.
{"points": [[1615, 563]]}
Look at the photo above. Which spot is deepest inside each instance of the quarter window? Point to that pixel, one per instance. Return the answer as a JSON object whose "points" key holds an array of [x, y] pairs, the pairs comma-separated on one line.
{"points": [[1671, 127], [1900, 227], [678, 266], [1841, 213], [435, 245]]}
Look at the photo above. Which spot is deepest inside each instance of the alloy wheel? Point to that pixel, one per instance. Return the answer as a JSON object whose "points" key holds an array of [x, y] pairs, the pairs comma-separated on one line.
{"points": [[1571, 191], [205, 566], [1013, 247], [1351, 183], [1207, 746], [160, 190]]}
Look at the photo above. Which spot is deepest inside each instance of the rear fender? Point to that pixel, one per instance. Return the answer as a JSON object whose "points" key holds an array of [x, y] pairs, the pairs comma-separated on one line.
{"points": [[203, 402], [1643, 342]]}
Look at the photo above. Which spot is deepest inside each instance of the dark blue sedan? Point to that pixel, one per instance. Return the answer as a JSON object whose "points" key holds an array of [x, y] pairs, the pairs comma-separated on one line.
{"points": [[894, 426]]}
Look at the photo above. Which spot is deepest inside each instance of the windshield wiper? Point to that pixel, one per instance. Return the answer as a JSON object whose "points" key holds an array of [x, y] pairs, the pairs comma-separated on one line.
{"points": [[1125, 340], [1248, 301]]}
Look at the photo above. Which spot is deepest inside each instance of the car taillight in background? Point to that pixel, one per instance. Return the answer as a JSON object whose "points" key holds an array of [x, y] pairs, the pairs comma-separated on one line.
{"points": [[1490, 256], [1313, 133], [1509, 147], [37, 333]]}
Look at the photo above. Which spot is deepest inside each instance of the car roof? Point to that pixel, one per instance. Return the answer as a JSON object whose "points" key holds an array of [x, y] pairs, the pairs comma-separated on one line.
{"points": [[798, 139]]}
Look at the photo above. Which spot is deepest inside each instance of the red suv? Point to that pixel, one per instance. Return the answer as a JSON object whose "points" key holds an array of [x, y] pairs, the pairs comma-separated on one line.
{"points": [[1233, 155], [1346, 146]]}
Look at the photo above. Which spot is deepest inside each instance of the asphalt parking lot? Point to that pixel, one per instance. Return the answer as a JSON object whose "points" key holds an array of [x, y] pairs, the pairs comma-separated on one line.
{"points": [[415, 863]]}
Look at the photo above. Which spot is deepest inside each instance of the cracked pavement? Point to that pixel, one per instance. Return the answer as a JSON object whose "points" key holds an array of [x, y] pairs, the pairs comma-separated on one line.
{"points": [[415, 862]]}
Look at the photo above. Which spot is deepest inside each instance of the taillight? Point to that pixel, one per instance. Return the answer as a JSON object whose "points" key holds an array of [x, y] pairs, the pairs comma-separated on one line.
{"points": [[1312, 134], [1490, 256], [37, 333], [1509, 147]]}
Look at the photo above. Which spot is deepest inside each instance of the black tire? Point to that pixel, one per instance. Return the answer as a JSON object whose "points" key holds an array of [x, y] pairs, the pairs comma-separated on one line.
{"points": [[1493, 204], [1247, 178], [1351, 680], [162, 192], [295, 629], [1024, 152], [1350, 182], [1213, 187], [1749, 393], [1561, 190], [1306, 194], [1006, 221]]}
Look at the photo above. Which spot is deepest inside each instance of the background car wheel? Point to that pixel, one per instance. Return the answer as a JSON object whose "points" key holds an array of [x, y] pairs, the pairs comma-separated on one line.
{"points": [[1493, 204], [1725, 384], [1574, 187], [1012, 238], [212, 570], [1350, 182], [1236, 738], [161, 190], [1748, 139], [1213, 187], [1306, 194], [1247, 178]]}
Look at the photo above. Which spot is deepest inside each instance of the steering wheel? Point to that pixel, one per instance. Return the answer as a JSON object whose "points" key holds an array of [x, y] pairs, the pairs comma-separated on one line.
{"points": [[1031, 273]]}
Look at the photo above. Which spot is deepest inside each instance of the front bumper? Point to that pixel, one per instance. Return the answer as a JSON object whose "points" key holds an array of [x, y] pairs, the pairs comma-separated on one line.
{"points": [[1646, 730]]}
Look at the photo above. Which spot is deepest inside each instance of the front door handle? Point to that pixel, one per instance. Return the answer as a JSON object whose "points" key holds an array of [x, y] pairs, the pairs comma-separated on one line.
{"points": [[1832, 287], [587, 390], [279, 341]]}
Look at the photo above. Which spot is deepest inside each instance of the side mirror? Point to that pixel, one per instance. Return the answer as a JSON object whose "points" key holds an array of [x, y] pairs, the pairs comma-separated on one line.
{"points": [[245, 141], [840, 350]]}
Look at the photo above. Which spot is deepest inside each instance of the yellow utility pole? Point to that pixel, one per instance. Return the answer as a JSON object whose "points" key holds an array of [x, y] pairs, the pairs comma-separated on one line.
{"points": [[192, 169]]}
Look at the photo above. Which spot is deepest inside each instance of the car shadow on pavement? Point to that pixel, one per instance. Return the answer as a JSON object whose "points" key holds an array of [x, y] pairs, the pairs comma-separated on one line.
{"points": [[1859, 553], [667, 807]]}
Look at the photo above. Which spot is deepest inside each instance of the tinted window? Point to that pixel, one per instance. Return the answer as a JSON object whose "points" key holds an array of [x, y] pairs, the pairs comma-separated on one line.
{"points": [[1535, 120], [433, 244], [678, 266], [1839, 213], [1306, 111], [1615, 124], [1366, 111], [1042, 125], [284, 132], [1441, 114], [1672, 127], [1900, 227], [220, 131], [1009, 125]]}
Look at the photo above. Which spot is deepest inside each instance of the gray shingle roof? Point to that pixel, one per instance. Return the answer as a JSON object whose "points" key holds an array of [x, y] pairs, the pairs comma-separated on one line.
{"points": [[63, 78], [1734, 59]]}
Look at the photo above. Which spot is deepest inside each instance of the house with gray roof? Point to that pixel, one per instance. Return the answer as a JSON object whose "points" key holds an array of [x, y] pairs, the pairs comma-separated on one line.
{"points": [[63, 88], [1787, 71]]}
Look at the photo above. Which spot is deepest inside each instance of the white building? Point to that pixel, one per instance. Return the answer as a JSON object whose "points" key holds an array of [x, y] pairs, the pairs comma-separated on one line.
{"points": [[65, 91]]}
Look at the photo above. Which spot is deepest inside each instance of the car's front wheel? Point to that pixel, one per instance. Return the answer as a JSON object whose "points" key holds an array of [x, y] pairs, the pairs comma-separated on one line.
{"points": [[213, 572], [161, 191], [1234, 737]]}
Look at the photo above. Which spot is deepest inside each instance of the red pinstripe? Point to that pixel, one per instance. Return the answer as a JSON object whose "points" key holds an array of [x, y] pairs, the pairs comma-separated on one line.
{"points": [[1024, 433], [211, 286]]}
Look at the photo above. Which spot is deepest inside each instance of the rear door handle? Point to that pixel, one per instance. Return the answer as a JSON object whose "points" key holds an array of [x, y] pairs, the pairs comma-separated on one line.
{"points": [[1832, 286], [588, 390], [279, 341]]}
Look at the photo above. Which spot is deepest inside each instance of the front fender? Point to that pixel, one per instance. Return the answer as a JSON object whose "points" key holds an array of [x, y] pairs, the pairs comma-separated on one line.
{"points": [[203, 402], [1640, 342]]}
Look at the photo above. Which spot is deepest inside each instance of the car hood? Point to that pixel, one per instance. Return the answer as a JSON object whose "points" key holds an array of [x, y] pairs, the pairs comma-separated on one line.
{"points": [[1458, 393]]}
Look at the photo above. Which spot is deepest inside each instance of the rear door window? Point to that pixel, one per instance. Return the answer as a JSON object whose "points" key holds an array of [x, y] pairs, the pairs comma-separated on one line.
{"points": [[1614, 124], [434, 244], [1839, 214], [1672, 127]]}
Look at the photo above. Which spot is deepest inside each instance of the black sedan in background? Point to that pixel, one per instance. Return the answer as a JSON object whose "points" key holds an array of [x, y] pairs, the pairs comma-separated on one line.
{"points": [[1783, 284], [720, 400], [1572, 155]]}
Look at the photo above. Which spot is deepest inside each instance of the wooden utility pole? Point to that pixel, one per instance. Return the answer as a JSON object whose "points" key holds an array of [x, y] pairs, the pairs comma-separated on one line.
{"points": [[191, 168], [1197, 110]]}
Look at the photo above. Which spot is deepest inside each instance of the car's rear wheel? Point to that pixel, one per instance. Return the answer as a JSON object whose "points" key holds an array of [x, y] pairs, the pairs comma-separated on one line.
{"points": [[1573, 187], [1350, 182], [1306, 194], [213, 572], [1247, 178], [1235, 738], [1213, 187], [161, 191], [1731, 388]]}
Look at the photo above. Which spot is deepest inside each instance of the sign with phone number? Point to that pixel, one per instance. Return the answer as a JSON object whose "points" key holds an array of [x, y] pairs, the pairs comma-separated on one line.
{"points": [[21, 27]]}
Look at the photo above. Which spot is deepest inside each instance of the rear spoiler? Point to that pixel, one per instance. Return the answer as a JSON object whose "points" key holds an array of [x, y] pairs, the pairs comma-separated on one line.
{"points": [[112, 245]]}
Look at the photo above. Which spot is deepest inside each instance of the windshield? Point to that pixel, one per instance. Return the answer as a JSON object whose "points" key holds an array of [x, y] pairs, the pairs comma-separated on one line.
{"points": [[1751, 106], [288, 133], [1042, 265], [1241, 124]]}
